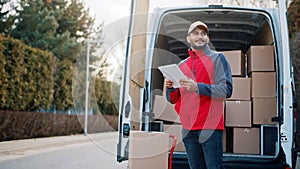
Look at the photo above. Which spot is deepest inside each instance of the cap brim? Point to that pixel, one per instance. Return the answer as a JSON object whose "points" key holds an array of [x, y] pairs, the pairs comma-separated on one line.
{"points": [[198, 24]]}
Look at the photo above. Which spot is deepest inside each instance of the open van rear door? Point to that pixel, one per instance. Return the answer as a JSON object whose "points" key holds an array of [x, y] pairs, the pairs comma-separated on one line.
{"points": [[133, 76], [286, 131]]}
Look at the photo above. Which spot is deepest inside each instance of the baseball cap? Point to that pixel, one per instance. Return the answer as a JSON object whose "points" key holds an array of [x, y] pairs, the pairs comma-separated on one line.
{"points": [[198, 24]]}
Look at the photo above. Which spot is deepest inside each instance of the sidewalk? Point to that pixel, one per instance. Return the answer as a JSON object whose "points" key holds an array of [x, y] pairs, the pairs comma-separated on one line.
{"points": [[16, 147]]}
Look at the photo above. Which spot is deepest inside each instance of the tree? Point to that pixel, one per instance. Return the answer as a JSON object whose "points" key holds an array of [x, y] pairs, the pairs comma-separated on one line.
{"points": [[6, 21], [104, 91], [26, 76], [294, 31], [294, 17], [76, 20], [58, 26], [79, 78], [103, 94]]}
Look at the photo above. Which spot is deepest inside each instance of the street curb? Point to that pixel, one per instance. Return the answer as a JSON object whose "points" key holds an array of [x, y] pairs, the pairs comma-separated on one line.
{"points": [[17, 146]]}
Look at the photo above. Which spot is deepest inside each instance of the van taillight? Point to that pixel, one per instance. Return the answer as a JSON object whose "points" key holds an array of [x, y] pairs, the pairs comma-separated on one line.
{"points": [[295, 121]]}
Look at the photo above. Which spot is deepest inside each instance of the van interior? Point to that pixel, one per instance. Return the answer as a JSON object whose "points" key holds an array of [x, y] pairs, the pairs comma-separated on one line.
{"points": [[229, 30]]}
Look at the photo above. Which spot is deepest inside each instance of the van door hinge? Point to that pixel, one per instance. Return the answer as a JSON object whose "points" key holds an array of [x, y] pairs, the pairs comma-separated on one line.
{"points": [[277, 119]]}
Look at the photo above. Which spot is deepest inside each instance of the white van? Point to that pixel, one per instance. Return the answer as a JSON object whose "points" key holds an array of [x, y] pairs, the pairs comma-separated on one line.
{"points": [[232, 29]]}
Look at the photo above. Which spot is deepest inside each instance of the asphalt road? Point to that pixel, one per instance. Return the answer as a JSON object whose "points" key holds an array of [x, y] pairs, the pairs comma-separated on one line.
{"points": [[79, 152], [95, 151]]}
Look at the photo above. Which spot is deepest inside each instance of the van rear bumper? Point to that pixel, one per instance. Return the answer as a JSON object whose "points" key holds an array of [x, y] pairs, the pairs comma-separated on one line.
{"points": [[180, 162]]}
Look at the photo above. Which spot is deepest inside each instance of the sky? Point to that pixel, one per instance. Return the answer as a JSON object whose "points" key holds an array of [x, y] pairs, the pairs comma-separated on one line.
{"points": [[108, 10], [111, 13]]}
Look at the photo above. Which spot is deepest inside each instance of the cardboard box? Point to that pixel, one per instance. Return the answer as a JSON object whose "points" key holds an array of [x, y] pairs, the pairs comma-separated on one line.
{"points": [[264, 36], [263, 84], [148, 150], [260, 58], [246, 140], [241, 89], [163, 110], [134, 91], [175, 130], [238, 114], [263, 110], [137, 73], [236, 59]]}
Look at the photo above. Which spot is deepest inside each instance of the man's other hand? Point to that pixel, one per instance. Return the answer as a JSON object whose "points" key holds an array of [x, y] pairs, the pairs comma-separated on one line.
{"points": [[168, 83]]}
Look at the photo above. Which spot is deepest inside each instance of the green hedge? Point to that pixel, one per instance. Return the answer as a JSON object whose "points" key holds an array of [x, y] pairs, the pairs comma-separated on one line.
{"points": [[16, 125], [26, 76]]}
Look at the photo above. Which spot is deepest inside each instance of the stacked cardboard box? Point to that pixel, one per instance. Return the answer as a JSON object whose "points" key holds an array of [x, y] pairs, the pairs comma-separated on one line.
{"points": [[148, 150], [246, 140], [176, 131], [236, 59], [241, 89], [263, 97], [252, 105], [163, 110], [263, 110], [238, 114], [253, 102], [260, 59], [238, 106], [261, 67]]}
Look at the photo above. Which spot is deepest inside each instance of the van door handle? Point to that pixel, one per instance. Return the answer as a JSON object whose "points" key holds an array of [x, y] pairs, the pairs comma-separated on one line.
{"points": [[146, 94], [127, 109]]}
